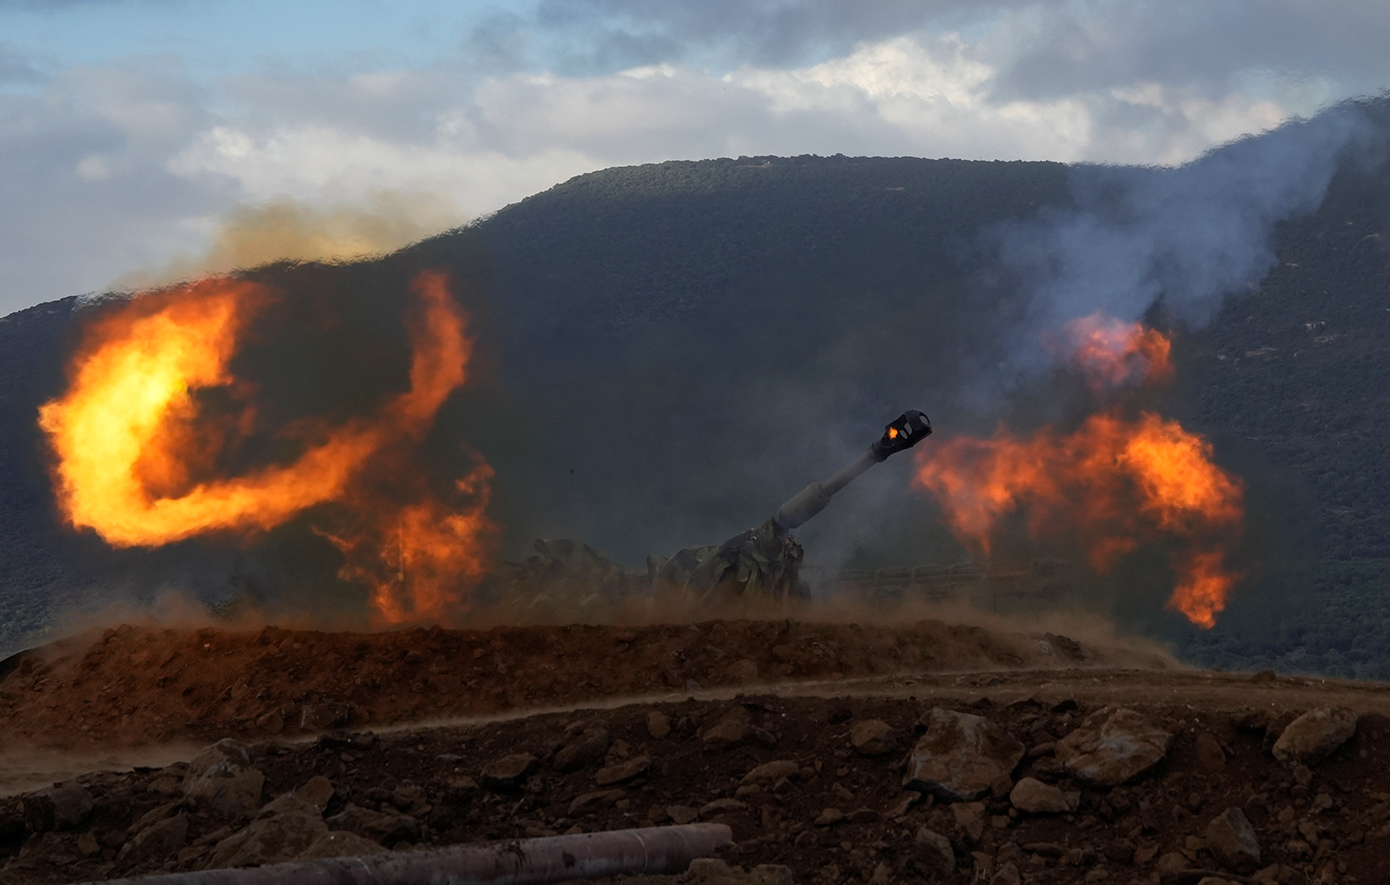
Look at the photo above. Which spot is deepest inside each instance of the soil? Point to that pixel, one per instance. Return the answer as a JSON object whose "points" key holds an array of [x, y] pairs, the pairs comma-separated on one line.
{"points": [[153, 698]]}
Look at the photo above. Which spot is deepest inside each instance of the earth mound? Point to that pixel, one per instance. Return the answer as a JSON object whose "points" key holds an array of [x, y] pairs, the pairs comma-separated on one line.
{"points": [[126, 687]]}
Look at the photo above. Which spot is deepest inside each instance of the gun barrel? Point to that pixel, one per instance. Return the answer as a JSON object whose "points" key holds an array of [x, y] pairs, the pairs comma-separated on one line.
{"points": [[909, 429]]}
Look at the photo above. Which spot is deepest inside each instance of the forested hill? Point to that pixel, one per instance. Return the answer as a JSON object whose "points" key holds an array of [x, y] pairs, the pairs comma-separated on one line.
{"points": [[669, 351]]}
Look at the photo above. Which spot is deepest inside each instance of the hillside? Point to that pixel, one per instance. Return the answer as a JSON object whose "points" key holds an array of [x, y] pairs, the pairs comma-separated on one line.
{"points": [[671, 350]]}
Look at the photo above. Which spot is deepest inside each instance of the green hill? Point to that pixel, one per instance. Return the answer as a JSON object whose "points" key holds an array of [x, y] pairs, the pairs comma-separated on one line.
{"points": [[669, 351]]}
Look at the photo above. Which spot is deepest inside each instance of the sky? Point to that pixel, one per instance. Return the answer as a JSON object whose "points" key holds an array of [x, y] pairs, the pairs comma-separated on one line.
{"points": [[144, 140]]}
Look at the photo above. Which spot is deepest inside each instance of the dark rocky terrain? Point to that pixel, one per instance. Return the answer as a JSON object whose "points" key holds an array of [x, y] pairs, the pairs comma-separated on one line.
{"points": [[1006, 775]]}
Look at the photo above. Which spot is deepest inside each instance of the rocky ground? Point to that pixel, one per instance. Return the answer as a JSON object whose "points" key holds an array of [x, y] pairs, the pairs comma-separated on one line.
{"points": [[1024, 775]]}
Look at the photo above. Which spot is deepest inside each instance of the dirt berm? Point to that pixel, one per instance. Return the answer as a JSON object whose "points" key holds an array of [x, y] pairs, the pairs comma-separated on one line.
{"points": [[847, 756]]}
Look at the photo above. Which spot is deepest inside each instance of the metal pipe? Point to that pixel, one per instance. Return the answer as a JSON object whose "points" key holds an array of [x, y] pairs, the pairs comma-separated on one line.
{"points": [[650, 850]]}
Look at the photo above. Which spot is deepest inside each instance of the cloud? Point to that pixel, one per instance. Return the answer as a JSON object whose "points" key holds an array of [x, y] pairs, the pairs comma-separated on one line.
{"points": [[108, 169]]}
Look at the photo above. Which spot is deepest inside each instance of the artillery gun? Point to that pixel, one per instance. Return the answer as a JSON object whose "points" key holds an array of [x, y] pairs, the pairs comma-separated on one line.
{"points": [[567, 578], [763, 563]]}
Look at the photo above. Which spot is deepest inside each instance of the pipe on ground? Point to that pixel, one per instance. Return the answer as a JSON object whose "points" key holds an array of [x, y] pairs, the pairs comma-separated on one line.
{"points": [[517, 862]]}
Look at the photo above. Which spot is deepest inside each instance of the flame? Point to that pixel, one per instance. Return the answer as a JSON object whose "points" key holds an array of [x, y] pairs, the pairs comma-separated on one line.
{"points": [[136, 459], [1116, 481], [1111, 353]]}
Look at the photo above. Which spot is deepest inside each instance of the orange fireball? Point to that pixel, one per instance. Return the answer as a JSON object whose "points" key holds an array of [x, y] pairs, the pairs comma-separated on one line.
{"points": [[133, 451], [1116, 481]]}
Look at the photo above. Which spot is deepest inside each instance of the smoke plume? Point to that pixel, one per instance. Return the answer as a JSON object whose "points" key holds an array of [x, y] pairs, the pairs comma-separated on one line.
{"points": [[286, 229], [1175, 240]]}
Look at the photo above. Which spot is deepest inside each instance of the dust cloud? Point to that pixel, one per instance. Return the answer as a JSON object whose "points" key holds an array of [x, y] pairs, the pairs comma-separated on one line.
{"points": [[285, 229]]}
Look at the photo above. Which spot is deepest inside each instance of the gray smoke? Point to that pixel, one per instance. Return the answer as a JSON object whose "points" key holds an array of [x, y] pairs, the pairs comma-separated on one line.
{"points": [[1179, 240]]}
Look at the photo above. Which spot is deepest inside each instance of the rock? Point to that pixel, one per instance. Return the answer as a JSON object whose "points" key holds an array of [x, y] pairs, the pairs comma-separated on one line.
{"points": [[1111, 746], [872, 737], [702, 869], [272, 722], [160, 840], [623, 771], [1315, 735], [905, 801], [1214, 880], [324, 717], [221, 778], [285, 829], [72, 805], [682, 814], [87, 844], [340, 843], [317, 791], [722, 806], [1170, 864], [1032, 796], [883, 875], [772, 772], [770, 874], [62, 807], [379, 826], [590, 801], [828, 817], [961, 756], [589, 748], [862, 816], [1210, 755], [730, 731], [1006, 875], [658, 725], [743, 672], [933, 851], [509, 772], [1232, 839], [970, 819]]}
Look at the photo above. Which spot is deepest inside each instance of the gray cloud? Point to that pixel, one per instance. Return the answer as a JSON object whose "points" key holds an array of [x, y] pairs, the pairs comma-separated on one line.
{"points": [[84, 185], [16, 68], [621, 33], [1201, 46]]}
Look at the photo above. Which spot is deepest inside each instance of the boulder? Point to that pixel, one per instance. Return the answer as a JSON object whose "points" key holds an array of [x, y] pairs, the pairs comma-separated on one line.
{"points": [[730, 731], [1232, 839], [379, 826], [743, 672], [1315, 735], [588, 748], [340, 843], [872, 737], [317, 791], [62, 807], [961, 756], [509, 772], [285, 829], [722, 806], [772, 772], [1111, 746], [658, 725], [771, 874], [592, 801], [623, 771], [1032, 796], [160, 840], [933, 852], [1210, 755], [222, 779]]}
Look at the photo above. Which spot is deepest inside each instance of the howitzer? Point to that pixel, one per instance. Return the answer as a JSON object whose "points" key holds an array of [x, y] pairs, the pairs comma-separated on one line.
{"points": [[764, 562]]}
